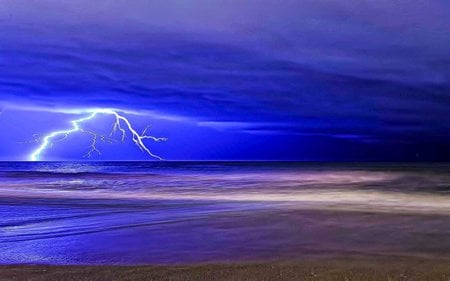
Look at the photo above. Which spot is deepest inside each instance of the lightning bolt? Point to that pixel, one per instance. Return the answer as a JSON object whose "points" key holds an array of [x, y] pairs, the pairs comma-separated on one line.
{"points": [[121, 123]]}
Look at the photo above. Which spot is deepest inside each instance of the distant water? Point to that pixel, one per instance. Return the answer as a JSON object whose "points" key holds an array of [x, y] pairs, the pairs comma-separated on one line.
{"points": [[185, 212]]}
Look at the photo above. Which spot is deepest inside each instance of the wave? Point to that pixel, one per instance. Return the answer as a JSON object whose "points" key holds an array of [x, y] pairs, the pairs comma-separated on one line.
{"points": [[68, 174]]}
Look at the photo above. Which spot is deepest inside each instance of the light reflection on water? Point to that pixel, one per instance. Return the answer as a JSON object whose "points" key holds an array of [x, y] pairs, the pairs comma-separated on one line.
{"points": [[168, 212]]}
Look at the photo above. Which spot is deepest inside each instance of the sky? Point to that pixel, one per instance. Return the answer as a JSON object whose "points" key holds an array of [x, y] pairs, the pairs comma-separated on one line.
{"points": [[306, 80]]}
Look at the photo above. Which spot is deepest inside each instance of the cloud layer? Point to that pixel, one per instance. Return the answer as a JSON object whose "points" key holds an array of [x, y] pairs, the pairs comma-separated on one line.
{"points": [[368, 70]]}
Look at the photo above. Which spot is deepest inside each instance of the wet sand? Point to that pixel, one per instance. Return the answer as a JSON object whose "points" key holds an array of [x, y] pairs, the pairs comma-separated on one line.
{"points": [[332, 270]]}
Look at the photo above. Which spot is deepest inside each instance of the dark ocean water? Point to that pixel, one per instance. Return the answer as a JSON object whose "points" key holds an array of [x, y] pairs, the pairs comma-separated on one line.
{"points": [[187, 212]]}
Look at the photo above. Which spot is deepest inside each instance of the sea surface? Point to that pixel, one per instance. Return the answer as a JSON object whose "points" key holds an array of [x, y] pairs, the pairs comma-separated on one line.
{"points": [[194, 212]]}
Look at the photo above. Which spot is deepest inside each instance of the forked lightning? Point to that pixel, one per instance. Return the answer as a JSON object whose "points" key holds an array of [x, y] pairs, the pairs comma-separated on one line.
{"points": [[121, 123]]}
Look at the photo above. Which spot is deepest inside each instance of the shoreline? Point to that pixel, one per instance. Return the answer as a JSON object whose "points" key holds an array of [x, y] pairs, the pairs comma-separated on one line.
{"points": [[329, 269]]}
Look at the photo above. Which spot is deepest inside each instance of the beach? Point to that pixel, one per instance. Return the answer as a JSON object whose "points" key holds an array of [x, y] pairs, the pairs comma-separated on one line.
{"points": [[329, 270], [224, 221]]}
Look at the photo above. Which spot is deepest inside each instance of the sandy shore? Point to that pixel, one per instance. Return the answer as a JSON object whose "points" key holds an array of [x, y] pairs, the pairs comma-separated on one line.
{"points": [[332, 270]]}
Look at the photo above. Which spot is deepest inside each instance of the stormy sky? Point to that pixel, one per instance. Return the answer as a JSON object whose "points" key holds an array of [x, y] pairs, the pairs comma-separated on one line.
{"points": [[316, 80]]}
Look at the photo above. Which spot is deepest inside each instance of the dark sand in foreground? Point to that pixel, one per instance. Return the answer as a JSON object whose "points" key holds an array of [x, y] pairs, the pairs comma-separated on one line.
{"points": [[302, 270]]}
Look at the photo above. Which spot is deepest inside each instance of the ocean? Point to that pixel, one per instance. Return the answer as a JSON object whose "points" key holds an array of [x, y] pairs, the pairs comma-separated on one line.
{"points": [[193, 212]]}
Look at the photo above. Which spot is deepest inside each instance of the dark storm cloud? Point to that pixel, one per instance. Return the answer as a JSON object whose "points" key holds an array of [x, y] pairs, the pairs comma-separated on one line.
{"points": [[365, 70]]}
